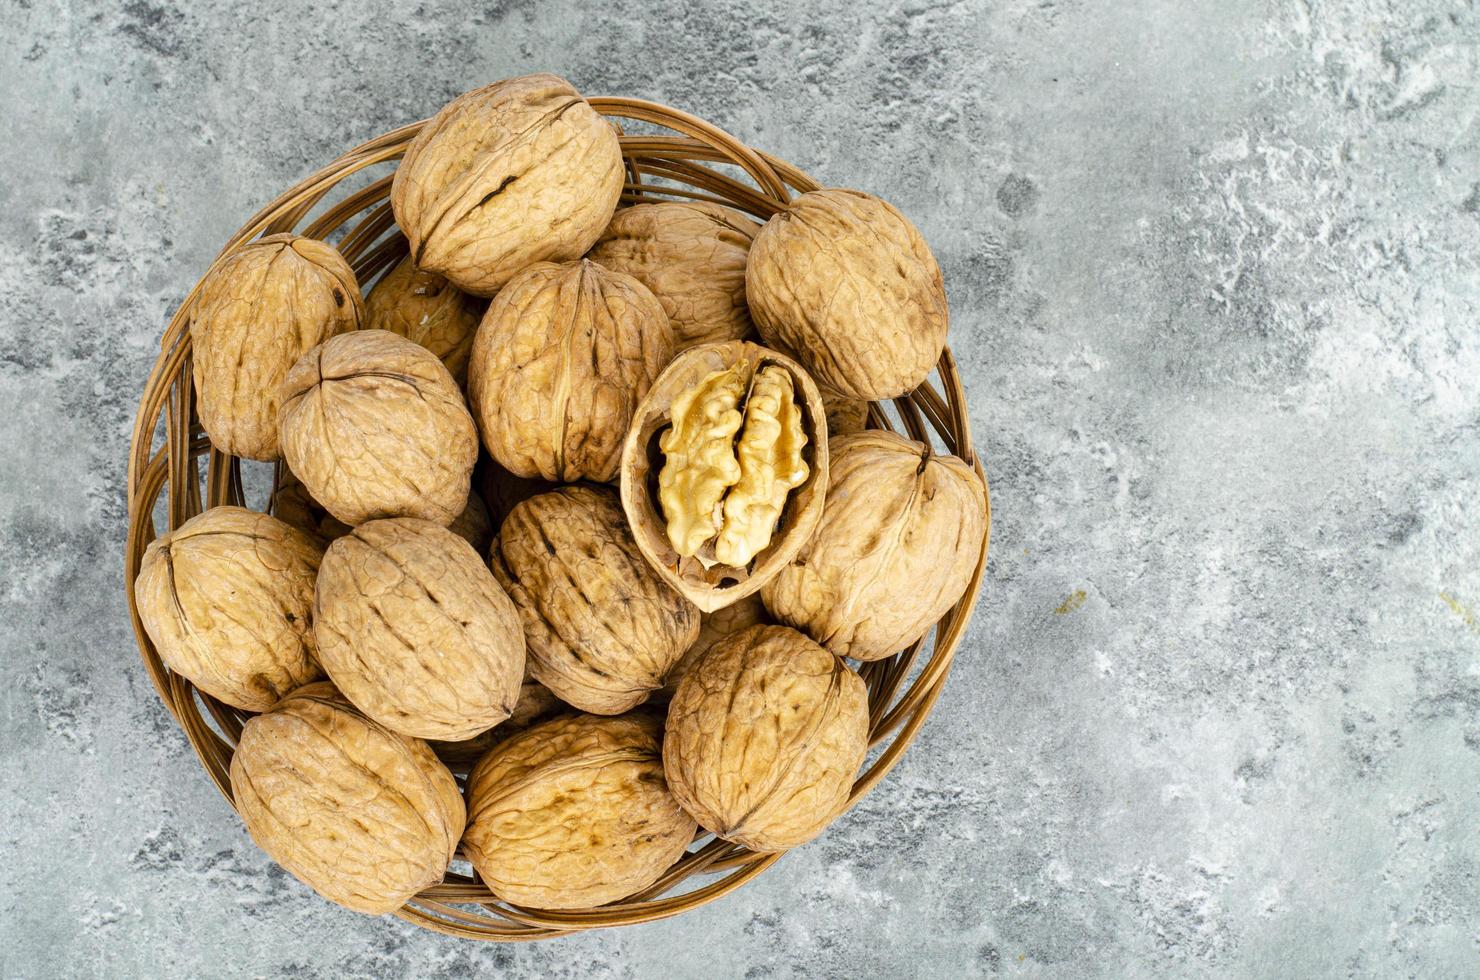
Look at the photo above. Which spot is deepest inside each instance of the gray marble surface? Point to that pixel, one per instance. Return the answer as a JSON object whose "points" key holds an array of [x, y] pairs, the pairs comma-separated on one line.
{"points": [[1213, 272]]}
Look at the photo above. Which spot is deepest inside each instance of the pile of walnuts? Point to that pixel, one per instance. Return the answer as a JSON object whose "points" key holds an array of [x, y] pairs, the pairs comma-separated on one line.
{"points": [[577, 502]]}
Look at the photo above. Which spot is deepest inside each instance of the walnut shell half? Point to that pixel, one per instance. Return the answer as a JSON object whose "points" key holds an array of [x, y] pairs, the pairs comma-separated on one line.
{"points": [[724, 468], [227, 599], [901, 534], [575, 813], [374, 426], [764, 737], [691, 254], [423, 306], [255, 315], [561, 359], [363, 816], [516, 172], [603, 628], [846, 281], [416, 632]]}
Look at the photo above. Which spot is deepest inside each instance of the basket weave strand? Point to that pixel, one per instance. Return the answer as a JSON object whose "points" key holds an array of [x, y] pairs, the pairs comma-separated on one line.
{"points": [[681, 164]]}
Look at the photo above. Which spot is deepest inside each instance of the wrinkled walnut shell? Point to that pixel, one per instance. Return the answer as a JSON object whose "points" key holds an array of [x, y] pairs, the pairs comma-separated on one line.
{"points": [[691, 254], [575, 813], [901, 534], [603, 628], [425, 308], [764, 737], [415, 631], [844, 280], [255, 315], [363, 816], [701, 578], [517, 172], [227, 599], [561, 360], [375, 427]]}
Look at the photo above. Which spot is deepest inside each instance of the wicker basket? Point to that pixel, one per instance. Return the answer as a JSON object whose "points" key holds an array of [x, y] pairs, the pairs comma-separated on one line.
{"points": [[168, 444]]}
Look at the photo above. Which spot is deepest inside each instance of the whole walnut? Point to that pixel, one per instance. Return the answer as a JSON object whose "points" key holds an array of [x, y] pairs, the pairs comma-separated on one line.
{"points": [[713, 627], [844, 280], [574, 813], [691, 254], [424, 307], [363, 816], [516, 172], [412, 627], [294, 505], [901, 534], [227, 599], [561, 359], [764, 737], [603, 628], [374, 426], [255, 315]]}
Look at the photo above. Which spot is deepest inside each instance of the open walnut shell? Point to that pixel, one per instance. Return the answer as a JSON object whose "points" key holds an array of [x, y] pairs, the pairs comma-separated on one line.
{"points": [[704, 497]]}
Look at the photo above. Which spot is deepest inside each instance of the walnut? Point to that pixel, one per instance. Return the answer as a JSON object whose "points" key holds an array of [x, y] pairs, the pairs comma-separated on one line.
{"points": [[901, 535], [516, 172], [846, 281], [416, 632], [255, 315], [363, 816], [227, 599], [562, 358], [424, 307], [713, 627], [723, 469], [691, 254], [575, 813], [294, 505], [764, 737], [603, 628], [374, 426]]}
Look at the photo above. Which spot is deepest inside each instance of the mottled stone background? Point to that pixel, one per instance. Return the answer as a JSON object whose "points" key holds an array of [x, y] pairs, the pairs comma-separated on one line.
{"points": [[1213, 270]]}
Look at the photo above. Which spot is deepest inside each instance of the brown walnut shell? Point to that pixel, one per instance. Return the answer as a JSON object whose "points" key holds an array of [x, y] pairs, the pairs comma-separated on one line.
{"points": [[362, 815], [415, 631], [516, 172], [424, 307], [574, 813], [561, 359], [844, 280], [227, 599], [701, 577], [502, 490], [901, 533], [603, 628], [255, 315], [764, 738], [691, 254], [375, 427]]}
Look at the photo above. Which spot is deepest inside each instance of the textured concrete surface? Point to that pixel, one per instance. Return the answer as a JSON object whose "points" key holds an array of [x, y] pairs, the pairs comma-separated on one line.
{"points": [[1213, 271]]}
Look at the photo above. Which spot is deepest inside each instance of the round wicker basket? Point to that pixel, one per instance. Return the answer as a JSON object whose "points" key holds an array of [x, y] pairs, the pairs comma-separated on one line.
{"points": [[347, 203]]}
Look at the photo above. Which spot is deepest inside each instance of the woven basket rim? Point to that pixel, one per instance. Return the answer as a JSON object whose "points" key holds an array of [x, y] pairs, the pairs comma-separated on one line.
{"points": [[685, 164]]}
